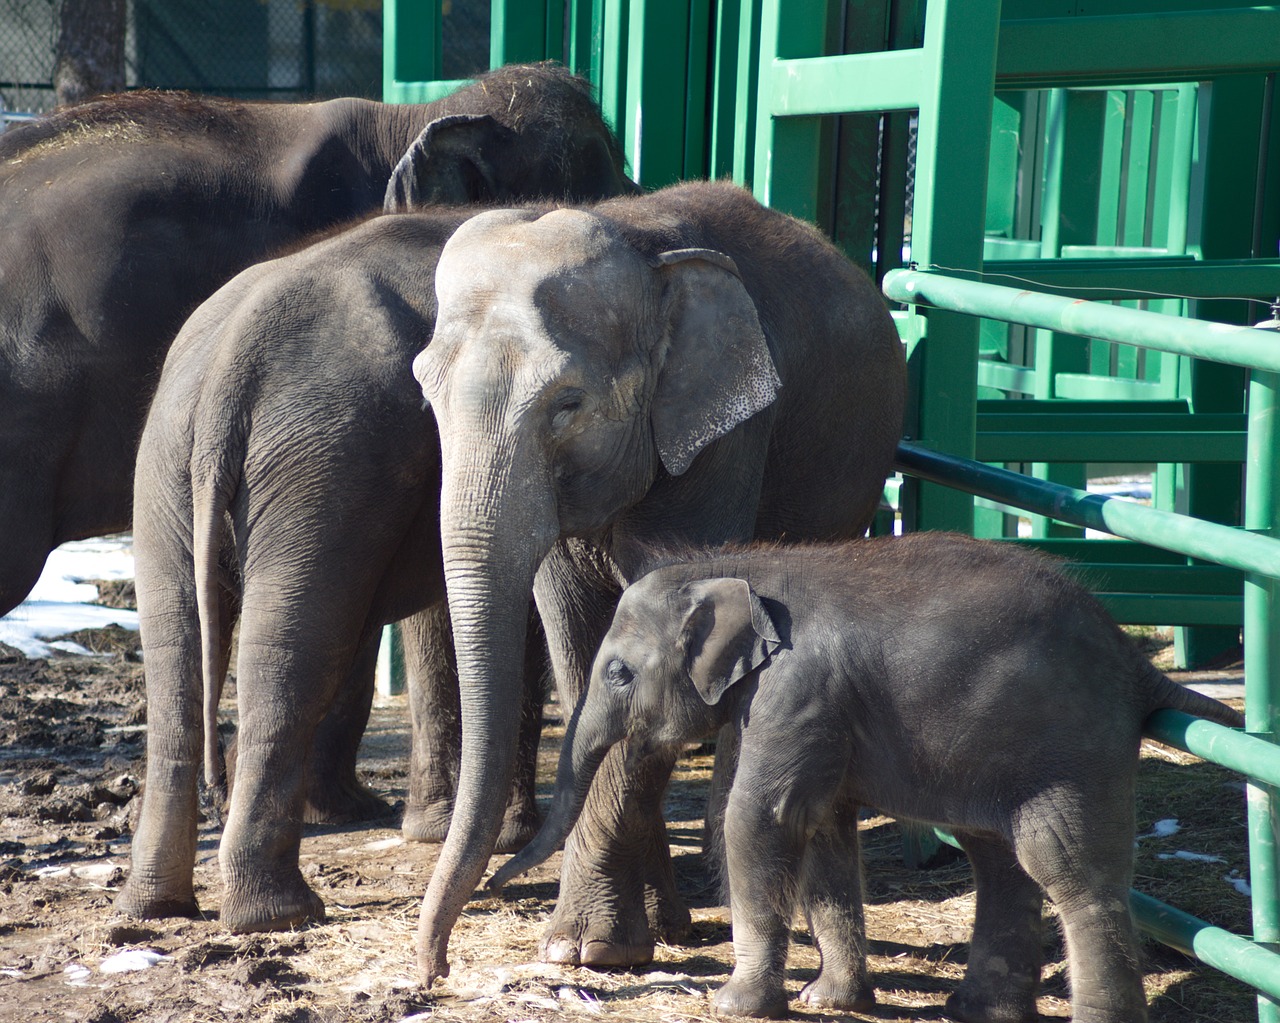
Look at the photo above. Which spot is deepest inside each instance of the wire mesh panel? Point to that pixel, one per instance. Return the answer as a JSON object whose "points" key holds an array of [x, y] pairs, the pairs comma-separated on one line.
{"points": [[249, 49]]}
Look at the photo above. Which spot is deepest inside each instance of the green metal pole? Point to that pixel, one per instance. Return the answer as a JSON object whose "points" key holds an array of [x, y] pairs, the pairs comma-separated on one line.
{"points": [[1226, 545], [1227, 343], [1262, 664]]}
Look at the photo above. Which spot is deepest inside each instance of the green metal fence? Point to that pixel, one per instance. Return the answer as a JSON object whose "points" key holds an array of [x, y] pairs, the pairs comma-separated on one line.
{"points": [[1253, 549]]}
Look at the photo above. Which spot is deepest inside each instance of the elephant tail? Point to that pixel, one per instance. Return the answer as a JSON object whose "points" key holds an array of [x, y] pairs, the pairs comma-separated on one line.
{"points": [[1166, 693], [211, 498]]}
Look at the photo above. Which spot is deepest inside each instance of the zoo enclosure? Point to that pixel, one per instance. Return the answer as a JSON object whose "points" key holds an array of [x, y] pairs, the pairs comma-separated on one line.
{"points": [[1080, 150]]}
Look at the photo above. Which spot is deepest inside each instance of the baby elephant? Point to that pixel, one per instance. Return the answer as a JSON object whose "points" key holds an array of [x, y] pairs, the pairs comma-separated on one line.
{"points": [[941, 679]]}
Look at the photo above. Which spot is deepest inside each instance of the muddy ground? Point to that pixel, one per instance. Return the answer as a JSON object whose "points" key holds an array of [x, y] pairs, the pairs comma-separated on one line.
{"points": [[72, 737]]}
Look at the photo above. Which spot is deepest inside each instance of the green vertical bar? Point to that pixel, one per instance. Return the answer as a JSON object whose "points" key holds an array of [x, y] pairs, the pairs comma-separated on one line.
{"points": [[949, 211], [657, 66], [586, 37], [696, 162], [517, 32], [724, 77], [1262, 662], [787, 148], [747, 110], [1139, 156], [613, 69], [1111, 170], [411, 45]]}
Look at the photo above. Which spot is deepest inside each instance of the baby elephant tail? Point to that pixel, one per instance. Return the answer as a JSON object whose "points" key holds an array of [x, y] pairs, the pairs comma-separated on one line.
{"points": [[1166, 693]]}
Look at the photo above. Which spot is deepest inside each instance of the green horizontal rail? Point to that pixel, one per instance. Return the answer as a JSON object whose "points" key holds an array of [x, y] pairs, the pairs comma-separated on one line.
{"points": [[1251, 755], [1236, 346], [1226, 545], [1173, 608], [1238, 957], [1161, 47], [1145, 277], [1053, 444], [853, 83]]}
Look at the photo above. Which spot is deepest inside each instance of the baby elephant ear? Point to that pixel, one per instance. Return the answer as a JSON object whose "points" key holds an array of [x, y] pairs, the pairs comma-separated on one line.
{"points": [[727, 634], [716, 370], [452, 161]]}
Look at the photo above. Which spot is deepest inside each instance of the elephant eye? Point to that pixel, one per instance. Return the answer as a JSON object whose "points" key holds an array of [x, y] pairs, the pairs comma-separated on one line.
{"points": [[566, 406], [618, 674]]}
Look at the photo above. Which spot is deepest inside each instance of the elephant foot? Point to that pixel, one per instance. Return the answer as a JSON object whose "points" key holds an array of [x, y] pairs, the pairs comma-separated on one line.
{"points": [[743, 998], [330, 802], [142, 902], [519, 825], [969, 1006], [274, 907], [427, 822], [577, 940], [840, 994]]}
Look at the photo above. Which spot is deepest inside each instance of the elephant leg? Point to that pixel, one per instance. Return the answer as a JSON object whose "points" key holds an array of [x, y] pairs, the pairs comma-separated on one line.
{"points": [[263, 886], [617, 885], [763, 861], [722, 774], [163, 852], [831, 887], [436, 720], [1088, 882], [1005, 956], [334, 792], [437, 732]]}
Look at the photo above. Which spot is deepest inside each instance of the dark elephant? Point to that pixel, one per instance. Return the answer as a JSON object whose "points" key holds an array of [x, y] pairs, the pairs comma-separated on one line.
{"points": [[288, 448], [686, 364], [952, 681], [119, 216]]}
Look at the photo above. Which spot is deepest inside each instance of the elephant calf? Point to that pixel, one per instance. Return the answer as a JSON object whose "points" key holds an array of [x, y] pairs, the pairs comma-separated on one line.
{"points": [[942, 679]]}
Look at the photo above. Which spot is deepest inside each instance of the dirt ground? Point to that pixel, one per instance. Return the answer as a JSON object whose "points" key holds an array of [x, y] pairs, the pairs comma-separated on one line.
{"points": [[72, 737]]}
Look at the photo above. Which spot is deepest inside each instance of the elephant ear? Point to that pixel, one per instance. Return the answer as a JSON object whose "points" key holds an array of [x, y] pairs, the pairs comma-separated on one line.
{"points": [[727, 634], [452, 161], [717, 370]]}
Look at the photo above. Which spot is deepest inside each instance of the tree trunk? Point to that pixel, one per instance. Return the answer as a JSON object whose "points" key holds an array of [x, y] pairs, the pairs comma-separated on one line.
{"points": [[90, 55]]}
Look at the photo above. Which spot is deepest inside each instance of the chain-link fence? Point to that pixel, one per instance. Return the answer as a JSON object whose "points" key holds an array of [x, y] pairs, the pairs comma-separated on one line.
{"points": [[249, 49]]}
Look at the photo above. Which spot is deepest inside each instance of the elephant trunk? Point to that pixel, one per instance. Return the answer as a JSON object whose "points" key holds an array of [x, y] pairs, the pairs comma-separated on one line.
{"points": [[584, 748], [494, 536]]}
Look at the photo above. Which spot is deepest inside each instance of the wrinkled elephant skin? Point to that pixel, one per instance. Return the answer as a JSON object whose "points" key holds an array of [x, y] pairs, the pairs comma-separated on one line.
{"points": [[288, 439], [961, 683], [684, 365], [118, 217]]}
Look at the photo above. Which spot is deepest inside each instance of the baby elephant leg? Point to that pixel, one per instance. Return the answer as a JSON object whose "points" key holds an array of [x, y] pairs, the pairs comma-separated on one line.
{"points": [[831, 887], [763, 866], [1005, 954]]}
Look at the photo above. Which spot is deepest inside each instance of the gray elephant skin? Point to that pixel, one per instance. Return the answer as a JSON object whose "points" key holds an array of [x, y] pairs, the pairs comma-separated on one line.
{"points": [[289, 468], [121, 215], [952, 681], [683, 365]]}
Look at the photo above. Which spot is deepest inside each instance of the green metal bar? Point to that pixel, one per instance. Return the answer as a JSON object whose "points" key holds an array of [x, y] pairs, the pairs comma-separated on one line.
{"points": [[1172, 608], [1145, 277], [1238, 957], [517, 32], [411, 52], [1262, 661], [1209, 541], [849, 84], [1236, 346], [1163, 46], [1059, 445], [1237, 751]]}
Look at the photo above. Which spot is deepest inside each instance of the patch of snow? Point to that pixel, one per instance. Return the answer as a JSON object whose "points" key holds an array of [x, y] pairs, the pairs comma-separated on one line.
{"points": [[1182, 854], [1239, 884], [77, 974], [130, 960], [56, 606], [1163, 829]]}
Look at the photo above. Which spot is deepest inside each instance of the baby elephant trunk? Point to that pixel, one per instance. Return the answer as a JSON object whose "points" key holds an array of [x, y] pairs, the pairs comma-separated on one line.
{"points": [[580, 757]]}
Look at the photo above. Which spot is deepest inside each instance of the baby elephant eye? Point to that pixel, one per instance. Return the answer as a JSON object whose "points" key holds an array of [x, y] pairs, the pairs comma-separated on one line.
{"points": [[618, 674]]}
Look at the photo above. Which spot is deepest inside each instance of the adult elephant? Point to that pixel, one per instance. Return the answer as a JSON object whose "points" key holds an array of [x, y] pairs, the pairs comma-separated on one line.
{"points": [[686, 365], [287, 446], [119, 216]]}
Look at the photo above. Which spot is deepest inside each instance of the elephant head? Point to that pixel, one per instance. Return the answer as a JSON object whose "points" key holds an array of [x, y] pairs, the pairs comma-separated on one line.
{"points": [[659, 679], [567, 372]]}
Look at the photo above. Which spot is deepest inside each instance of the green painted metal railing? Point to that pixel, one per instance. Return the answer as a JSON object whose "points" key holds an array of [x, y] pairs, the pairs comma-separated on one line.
{"points": [[1254, 549]]}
